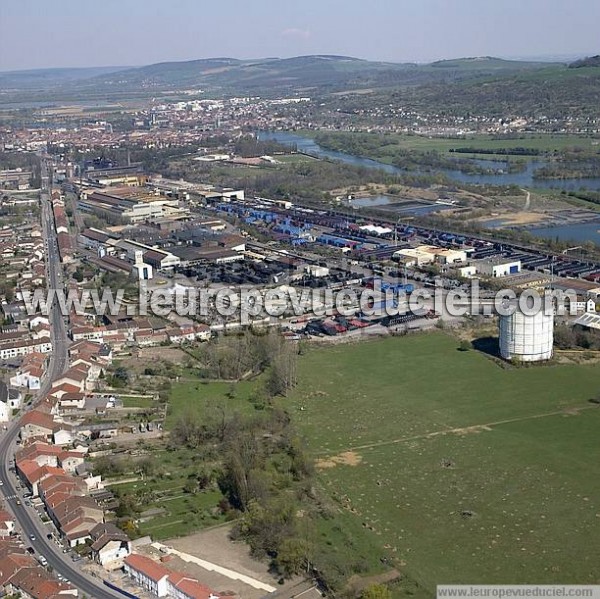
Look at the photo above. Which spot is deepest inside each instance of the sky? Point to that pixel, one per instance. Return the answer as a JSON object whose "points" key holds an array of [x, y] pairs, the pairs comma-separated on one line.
{"points": [[81, 33]]}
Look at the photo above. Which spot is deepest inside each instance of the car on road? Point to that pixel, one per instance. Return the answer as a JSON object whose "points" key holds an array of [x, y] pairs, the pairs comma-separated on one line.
{"points": [[32, 537], [18, 502]]}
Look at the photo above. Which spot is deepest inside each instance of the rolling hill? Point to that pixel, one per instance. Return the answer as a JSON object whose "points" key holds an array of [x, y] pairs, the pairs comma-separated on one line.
{"points": [[35, 78], [316, 75], [322, 72]]}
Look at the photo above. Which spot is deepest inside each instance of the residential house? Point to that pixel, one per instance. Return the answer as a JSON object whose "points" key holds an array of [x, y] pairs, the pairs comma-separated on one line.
{"points": [[32, 475], [44, 454], [110, 545], [31, 371], [37, 425], [163, 582], [76, 517], [7, 523], [37, 583], [147, 573], [22, 348], [182, 586]]}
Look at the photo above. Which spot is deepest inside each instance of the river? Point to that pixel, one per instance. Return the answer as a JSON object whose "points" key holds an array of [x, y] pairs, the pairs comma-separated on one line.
{"points": [[522, 179]]}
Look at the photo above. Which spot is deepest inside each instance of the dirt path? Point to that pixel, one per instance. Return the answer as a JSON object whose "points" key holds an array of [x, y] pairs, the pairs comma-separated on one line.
{"points": [[459, 431], [211, 567]]}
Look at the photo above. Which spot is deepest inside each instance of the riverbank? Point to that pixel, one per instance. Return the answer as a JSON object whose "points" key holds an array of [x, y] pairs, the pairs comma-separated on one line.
{"points": [[305, 142]]}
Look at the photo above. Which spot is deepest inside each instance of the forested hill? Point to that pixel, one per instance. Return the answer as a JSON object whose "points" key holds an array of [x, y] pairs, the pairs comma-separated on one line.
{"points": [[590, 61]]}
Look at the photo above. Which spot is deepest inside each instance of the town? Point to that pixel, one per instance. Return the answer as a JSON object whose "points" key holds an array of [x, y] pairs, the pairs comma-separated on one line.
{"points": [[310, 326]]}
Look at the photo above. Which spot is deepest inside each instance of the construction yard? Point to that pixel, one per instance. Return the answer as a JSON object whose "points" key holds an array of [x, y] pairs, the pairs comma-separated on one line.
{"points": [[457, 468]]}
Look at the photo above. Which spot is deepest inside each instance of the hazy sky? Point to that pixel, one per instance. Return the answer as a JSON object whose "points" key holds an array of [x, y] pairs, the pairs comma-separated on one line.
{"points": [[53, 33]]}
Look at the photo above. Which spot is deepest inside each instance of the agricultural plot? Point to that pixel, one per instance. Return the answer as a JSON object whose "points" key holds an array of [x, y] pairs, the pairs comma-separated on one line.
{"points": [[480, 143], [171, 505], [462, 471], [168, 510]]}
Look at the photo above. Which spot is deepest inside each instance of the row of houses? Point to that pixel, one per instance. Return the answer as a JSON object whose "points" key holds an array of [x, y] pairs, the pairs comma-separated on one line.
{"points": [[161, 581], [141, 333], [22, 254], [22, 575], [22, 259], [61, 223], [52, 466]]}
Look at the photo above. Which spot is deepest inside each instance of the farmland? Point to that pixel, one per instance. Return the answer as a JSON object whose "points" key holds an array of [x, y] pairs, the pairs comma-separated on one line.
{"points": [[168, 508], [390, 146], [459, 469], [161, 482]]}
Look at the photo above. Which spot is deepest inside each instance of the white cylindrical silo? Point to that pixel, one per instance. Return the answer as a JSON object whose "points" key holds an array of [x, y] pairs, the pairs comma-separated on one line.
{"points": [[526, 338]]}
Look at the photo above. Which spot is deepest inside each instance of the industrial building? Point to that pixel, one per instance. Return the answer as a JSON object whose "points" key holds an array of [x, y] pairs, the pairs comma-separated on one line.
{"points": [[143, 270], [105, 173], [131, 204], [427, 254], [526, 337], [413, 257], [450, 256], [16, 178], [589, 320], [495, 267]]}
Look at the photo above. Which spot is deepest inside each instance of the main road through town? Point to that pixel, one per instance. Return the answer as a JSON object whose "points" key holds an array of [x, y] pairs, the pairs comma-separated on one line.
{"points": [[34, 532]]}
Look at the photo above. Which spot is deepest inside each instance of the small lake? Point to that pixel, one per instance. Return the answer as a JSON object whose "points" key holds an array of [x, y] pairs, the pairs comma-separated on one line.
{"points": [[522, 179], [577, 233]]}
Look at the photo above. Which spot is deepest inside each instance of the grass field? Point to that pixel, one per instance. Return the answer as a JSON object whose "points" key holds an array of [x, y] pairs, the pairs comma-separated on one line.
{"points": [[133, 401], [196, 397], [544, 143], [183, 512], [463, 471]]}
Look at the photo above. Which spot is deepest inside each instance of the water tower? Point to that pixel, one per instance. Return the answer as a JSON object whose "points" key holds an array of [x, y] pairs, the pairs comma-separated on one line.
{"points": [[526, 337]]}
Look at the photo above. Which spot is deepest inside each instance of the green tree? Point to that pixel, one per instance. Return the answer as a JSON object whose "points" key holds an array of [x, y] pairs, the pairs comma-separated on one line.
{"points": [[376, 591], [293, 556]]}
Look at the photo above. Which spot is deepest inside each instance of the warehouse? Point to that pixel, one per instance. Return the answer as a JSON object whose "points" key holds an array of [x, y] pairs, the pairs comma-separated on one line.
{"points": [[497, 267], [135, 205], [414, 257], [449, 256]]}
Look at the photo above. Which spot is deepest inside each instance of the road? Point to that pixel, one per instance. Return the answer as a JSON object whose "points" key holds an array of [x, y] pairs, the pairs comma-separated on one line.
{"points": [[27, 519]]}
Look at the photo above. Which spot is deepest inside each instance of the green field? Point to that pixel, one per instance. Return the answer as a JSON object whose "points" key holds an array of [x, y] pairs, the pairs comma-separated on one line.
{"points": [[390, 143], [133, 401], [461, 470], [165, 488], [183, 511], [198, 397], [545, 143]]}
